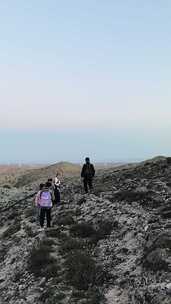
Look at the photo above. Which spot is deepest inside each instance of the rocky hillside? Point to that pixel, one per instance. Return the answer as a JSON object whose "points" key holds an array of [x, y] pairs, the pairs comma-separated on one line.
{"points": [[10, 173], [28, 176], [64, 168], [111, 246]]}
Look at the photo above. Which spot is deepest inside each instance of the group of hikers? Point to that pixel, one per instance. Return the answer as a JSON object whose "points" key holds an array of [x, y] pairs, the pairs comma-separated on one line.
{"points": [[49, 193]]}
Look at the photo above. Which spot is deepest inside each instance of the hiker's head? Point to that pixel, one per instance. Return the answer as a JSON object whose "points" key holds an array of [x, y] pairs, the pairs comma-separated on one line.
{"points": [[87, 160], [49, 180], [47, 185], [41, 186]]}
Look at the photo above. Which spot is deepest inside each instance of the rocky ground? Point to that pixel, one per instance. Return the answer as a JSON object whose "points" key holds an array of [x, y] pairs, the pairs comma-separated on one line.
{"points": [[111, 246]]}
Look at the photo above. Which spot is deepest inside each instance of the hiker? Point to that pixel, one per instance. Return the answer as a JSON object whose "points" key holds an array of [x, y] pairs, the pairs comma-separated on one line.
{"points": [[87, 173], [50, 181], [57, 185], [37, 197], [45, 203], [51, 188]]}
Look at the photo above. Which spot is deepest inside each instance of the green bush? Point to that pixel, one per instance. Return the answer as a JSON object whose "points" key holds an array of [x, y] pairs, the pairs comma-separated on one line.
{"points": [[53, 233], [71, 244], [13, 215], [83, 230], [51, 270], [131, 196], [51, 296], [3, 252], [65, 220], [104, 229], [82, 271], [7, 186], [48, 242], [95, 297], [15, 227], [41, 263]]}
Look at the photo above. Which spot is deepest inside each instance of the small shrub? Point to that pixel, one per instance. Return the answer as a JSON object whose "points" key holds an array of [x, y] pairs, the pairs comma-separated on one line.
{"points": [[86, 230], [41, 263], [52, 296], [82, 271], [17, 275], [3, 252], [66, 220], [105, 228], [48, 242], [95, 296], [15, 227], [70, 245], [13, 215], [83, 230], [53, 233], [131, 196], [51, 270], [6, 186], [156, 260]]}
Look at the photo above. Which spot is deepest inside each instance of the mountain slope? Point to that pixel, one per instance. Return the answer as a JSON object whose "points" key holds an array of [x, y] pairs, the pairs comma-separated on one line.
{"points": [[64, 168], [112, 246]]}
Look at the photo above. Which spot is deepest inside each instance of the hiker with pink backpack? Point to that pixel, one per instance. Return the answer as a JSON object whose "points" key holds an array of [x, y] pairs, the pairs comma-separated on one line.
{"points": [[44, 202]]}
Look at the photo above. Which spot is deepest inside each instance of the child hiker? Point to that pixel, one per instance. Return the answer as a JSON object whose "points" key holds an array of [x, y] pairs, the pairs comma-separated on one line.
{"points": [[37, 197], [45, 203]]}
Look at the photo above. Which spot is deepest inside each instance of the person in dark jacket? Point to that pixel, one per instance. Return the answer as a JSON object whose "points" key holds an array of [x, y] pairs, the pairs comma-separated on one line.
{"points": [[87, 173]]}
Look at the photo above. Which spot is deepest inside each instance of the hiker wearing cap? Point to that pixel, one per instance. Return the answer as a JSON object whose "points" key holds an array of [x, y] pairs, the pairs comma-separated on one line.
{"points": [[87, 174], [45, 203], [57, 185]]}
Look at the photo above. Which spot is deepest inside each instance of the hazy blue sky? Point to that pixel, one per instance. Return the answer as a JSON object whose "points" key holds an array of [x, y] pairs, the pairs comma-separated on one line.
{"points": [[84, 78]]}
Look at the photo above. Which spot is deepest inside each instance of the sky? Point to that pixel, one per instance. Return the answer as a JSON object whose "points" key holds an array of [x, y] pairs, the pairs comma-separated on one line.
{"points": [[84, 78]]}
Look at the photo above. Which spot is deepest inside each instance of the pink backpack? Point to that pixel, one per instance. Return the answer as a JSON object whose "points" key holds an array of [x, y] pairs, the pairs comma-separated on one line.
{"points": [[45, 199]]}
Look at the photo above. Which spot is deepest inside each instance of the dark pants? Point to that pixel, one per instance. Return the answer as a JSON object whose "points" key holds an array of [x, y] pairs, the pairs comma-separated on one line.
{"points": [[45, 212], [88, 183], [57, 196]]}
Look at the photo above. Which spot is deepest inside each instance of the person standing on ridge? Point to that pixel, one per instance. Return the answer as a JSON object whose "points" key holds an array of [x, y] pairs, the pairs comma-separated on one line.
{"points": [[87, 173], [57, 185]]}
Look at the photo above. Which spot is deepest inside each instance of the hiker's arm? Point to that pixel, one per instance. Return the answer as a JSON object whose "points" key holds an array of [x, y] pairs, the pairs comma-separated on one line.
{"points": [[53, 196], [37, 199], [93, 170], [82, 171], [57, 182]]}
